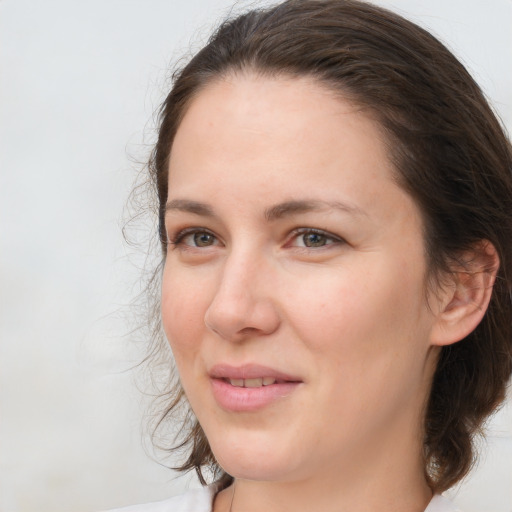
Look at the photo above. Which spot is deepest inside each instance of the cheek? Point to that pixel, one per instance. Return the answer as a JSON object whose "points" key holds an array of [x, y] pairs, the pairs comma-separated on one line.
{"points": [[358, 313], [183, 309]]}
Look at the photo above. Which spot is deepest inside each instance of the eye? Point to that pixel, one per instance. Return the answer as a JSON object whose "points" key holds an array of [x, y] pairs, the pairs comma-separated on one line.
{"points": [[194, 237], [313, 238], [201, 239]]}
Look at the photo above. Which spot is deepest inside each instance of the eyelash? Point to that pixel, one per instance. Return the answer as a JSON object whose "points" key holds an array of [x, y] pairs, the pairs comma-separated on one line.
{"points": [[178, 239], [327, 236]]}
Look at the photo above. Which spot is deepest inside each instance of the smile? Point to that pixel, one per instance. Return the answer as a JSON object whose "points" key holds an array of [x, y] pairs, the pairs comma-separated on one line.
{"points": [[251, 387]]}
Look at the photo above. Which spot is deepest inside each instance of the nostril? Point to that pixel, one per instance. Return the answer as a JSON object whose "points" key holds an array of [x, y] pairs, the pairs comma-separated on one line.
{"points": [[249, 330], [249, 318]]}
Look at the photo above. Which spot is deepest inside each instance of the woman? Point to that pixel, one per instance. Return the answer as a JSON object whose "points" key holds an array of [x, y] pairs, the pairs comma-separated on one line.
{"points": [[335, 200]]}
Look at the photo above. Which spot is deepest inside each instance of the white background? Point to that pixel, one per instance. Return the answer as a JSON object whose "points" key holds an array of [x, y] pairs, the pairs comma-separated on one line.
{"points": [[78, 85]]}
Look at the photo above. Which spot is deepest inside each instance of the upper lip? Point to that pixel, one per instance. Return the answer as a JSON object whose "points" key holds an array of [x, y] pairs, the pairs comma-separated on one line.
{"points": [[249, 371]]}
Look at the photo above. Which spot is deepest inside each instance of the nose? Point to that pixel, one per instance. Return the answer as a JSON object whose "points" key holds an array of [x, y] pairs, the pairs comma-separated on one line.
{"points": [[243, 305]]}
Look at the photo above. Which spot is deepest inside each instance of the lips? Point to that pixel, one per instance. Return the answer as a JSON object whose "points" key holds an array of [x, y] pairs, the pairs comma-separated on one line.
{"points": [[250, 387], [250, 372]]}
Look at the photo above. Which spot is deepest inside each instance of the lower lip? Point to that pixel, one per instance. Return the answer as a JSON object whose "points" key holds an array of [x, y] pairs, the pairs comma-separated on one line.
{"points": [[238, 399]]}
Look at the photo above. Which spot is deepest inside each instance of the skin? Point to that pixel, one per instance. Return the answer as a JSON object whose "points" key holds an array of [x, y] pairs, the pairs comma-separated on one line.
{"points": [[348, 315]]}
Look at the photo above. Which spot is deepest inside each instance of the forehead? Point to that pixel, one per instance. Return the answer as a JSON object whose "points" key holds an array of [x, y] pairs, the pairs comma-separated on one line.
{"points": [[254, 117], [280, 130]]}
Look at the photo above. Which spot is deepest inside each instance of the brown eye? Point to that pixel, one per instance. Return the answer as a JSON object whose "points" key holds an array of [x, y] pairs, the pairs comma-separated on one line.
{"points": [[193, 237], [203, 239], [314, 240]]}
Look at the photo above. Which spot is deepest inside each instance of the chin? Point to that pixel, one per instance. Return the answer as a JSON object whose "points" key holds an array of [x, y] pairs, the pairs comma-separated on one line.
{"points": [[250, 461]]}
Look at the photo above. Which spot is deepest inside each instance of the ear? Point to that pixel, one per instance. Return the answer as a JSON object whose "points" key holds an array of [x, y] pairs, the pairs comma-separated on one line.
{"points": [[464, 296]]}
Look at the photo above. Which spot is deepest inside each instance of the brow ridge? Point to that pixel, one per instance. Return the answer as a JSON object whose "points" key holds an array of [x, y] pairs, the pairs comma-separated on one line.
{"points": [[275, 212], [294, 207], [189, 206]]}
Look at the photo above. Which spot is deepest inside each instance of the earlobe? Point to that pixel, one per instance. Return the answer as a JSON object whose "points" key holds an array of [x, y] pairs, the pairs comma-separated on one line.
{"points": [[464, 301]]}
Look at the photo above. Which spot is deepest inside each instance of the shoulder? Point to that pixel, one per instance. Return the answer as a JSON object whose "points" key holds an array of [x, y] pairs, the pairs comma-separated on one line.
{"points": [[195, 500], [441, 504]]}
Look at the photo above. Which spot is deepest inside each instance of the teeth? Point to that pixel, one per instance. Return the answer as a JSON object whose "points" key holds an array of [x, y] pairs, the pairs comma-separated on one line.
{"points": [[252, 383]]}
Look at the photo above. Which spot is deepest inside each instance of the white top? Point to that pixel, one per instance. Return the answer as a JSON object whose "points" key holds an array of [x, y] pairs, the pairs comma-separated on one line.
{"points": [[441, 504], [201, 500], [195, 500]]}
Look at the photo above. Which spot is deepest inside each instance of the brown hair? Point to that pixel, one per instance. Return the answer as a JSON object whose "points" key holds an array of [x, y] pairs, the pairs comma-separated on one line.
{"points": [[450, 153]]}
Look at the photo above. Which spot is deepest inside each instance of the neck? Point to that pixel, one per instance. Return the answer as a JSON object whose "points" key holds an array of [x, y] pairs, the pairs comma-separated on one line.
{"points": [[252, 496]]}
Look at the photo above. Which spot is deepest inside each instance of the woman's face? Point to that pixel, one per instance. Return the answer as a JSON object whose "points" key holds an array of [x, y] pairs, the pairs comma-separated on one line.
{"points": [[294, 286]]}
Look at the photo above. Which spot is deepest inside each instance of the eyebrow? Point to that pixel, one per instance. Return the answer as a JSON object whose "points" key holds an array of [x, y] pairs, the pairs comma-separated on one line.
{"points": [[186, 205], [272, 213], [288, 208]]}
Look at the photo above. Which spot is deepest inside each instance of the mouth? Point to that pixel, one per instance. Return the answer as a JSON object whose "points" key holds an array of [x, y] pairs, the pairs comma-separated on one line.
{"points": [[254, 383], [250, 387]]}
